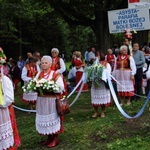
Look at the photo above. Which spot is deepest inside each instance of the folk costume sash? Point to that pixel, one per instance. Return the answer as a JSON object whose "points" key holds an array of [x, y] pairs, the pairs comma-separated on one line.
{"points": [[110, 57], [31, 71], [55, 66], [123, 62], [55, 63]]}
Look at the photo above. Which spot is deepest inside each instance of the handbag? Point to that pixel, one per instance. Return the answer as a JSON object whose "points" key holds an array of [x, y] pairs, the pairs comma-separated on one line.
{"points": [[62, 106]]}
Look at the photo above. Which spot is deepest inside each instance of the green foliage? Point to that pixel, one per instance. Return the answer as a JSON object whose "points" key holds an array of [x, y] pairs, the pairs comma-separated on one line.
{"points": [[34, 25], [89, 13]]}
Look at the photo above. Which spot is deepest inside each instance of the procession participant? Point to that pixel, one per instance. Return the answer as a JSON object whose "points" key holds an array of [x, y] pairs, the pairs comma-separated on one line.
{"points": [[59, 66], [79, 71], [37, 55], [73, 58], [100, 96], [124, 73], [110, 58], [29, 71], [48, 121], [29, 55], [9, 136]]}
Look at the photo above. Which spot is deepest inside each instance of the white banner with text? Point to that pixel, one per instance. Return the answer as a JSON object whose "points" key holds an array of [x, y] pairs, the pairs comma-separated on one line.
{"points": [[135, 19]]}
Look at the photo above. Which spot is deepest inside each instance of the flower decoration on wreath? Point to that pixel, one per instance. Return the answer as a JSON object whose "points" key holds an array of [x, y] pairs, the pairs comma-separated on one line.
{"points": [[128, 34], [94, 73], [41, 86]]}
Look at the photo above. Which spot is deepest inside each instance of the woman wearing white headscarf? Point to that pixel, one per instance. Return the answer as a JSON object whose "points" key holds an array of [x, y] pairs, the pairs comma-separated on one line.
{"points": [[9, 136], [59, 66], [48, 121]]}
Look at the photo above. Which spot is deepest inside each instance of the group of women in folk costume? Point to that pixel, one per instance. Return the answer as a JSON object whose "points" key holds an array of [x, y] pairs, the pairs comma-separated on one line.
{"points": [[124, 70], [48, 122]]}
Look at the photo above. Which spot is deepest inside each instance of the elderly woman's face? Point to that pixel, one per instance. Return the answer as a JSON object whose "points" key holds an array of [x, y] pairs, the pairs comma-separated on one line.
{"points": [[45, 64], [54, 54], [110, 51], [124, 51]]}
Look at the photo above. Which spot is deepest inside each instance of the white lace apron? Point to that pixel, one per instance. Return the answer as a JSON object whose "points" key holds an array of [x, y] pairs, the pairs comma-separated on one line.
{"points": [[124, 78], [100, 95], [47, 119], [6, 132]]}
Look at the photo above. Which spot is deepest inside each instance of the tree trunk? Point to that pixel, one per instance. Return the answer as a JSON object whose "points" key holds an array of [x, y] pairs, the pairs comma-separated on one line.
{"points": [[20, 36], [141, 37], [101, 31]]}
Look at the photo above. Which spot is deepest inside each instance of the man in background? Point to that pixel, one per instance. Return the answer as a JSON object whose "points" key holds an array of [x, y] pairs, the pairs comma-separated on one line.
{"points": [[139, 61], [91, 55]]}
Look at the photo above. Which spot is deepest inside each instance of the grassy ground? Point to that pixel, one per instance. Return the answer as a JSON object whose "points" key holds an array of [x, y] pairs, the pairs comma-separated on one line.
{"points": [[82, 132]]}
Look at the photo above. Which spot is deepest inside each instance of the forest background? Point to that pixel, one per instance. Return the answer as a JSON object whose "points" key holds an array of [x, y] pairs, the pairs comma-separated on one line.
{"points": [[69, 25], [36, 25]]}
